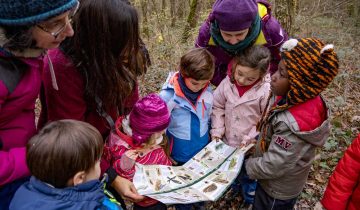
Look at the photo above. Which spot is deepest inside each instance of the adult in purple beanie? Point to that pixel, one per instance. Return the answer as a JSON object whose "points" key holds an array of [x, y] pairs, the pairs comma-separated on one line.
{"points": [[234, 25], [27, 29]]}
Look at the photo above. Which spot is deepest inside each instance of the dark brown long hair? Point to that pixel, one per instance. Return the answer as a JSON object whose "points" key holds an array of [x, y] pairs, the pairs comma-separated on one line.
{"points": [[105, 49]]}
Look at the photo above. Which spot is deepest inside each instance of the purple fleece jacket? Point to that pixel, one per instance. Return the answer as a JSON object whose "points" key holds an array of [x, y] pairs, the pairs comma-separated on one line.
{"points": [[17, 117], [274, 34]]}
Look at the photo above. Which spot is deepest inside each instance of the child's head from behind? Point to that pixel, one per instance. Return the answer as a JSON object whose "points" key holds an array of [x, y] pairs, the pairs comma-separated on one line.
{"points": [[306, 68], [197, 67], [148, 120], [65, 153], [250, 66], [234, 18]]}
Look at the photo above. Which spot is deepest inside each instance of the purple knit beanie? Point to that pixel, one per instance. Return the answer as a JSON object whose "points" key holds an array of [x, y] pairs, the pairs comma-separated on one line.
{"points": [[149, 115], [234, 15]]}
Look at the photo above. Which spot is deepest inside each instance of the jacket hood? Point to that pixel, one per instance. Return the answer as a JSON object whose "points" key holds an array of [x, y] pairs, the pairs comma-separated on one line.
{"points": [[309, 126], [27, 53], [88, 195], [317, 136]]}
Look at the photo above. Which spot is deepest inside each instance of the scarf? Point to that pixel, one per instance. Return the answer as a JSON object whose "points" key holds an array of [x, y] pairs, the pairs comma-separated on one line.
{"points": [[189, 94], [236, 48], [262, 126]]}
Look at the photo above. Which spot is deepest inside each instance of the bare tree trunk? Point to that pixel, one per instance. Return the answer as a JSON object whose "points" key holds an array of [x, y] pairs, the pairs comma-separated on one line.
{"points": [[172, 12], [145, 22], [163, 5], [191, 20], [180, 8], [285, 11], [356, 12]]}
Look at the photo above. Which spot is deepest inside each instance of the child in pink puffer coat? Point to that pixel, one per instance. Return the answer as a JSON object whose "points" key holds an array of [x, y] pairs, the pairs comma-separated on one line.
{"points": [[239, 101], [241, 97]]}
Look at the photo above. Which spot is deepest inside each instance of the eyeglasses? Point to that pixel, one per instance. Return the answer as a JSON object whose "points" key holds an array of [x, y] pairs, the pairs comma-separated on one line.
{"points": [[55, 29]]}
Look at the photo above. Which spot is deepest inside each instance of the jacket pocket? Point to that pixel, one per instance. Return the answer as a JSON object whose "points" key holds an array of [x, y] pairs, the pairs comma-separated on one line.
{"points": [[180, 123]]}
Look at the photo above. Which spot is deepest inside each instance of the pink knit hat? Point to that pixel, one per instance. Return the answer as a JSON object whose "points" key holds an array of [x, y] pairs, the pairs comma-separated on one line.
{"points": [[149, 115]]}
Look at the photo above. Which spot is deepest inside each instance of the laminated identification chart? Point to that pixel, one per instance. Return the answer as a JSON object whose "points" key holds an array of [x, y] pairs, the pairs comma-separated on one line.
{"points": [[203, 178]]}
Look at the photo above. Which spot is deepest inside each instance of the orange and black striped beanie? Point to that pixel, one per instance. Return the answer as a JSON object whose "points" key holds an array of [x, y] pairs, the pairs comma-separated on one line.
{"points": [[311, 66]]}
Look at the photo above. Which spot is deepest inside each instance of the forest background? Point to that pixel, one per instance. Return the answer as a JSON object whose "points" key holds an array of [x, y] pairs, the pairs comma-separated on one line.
{"points": [[170, 27]]}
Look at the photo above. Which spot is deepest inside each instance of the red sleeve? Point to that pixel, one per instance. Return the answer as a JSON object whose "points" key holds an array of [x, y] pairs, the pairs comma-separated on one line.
{"points": [[114, 154], [344, 179], [163, 158]]}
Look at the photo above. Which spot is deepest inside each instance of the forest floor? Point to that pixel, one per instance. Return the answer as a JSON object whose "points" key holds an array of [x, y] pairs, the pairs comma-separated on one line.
{"points": [[342, 95]]}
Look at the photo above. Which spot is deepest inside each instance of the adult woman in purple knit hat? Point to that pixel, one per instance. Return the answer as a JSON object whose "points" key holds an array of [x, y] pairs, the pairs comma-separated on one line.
{"points": [[27, 30], [234, 25]]}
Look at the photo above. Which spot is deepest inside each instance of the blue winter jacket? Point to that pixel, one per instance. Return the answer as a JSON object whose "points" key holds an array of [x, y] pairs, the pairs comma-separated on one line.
{"points": [[189, 124], [37, 195]]}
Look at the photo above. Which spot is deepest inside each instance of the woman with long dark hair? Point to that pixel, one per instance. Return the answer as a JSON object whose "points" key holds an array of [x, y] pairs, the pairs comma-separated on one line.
{"points": [[96, 72], [27, 30]]}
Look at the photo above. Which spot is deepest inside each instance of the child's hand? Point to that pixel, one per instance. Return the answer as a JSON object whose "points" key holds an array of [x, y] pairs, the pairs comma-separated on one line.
{"points": [[174, 163], [215, 138], [247, 142], [126, 189], [127, 160], [132, 154], [251, 151]]}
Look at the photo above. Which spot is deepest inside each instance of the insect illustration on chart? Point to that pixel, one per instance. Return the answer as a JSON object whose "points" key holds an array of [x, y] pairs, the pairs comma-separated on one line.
{"points": [[210, 188], [173, 179], [207, 153], [220, 180], [158, 185], [219, 146], [196, 196], [185, 177], [158, 171], [232, 163]]}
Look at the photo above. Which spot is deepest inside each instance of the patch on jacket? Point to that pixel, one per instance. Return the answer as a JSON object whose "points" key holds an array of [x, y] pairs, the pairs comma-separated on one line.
{"points": [[283, 143]]}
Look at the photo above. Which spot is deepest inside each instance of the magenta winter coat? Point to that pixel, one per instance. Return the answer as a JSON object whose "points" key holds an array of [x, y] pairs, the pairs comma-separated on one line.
{"points": [[272, 36], [20, 80], [69, 101]]}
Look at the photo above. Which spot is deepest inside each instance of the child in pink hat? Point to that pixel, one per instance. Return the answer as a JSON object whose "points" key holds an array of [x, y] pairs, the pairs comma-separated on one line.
{"points": [[140, 139]]}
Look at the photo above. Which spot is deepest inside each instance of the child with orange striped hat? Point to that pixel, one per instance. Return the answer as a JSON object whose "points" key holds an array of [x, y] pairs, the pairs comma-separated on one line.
{"points": [[294, 124]]}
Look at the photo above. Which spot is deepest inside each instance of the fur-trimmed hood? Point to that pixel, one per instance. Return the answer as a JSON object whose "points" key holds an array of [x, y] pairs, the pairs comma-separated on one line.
{"points": [[27, 53]]}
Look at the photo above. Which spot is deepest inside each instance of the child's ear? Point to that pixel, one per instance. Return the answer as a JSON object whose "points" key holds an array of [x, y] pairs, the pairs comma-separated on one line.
{"points": [[79, 178]]}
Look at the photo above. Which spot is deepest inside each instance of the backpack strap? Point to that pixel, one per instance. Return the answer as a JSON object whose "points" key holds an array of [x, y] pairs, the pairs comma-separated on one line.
{"points": [[100, 110], [264, 11], [11, 72]]}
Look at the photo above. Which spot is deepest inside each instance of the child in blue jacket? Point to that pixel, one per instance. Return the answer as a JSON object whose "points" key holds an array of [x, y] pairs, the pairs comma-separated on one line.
{"points": [[64, 159], [189, 99]]}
